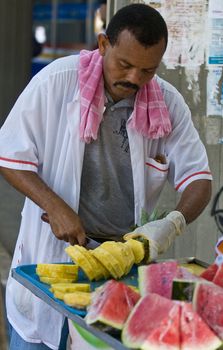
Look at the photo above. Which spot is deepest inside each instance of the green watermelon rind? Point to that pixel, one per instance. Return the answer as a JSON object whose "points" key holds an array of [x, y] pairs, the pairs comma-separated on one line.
{"points": [[141, 279]]}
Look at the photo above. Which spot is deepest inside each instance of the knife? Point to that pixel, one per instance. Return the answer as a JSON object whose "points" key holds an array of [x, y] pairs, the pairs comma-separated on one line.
{"points": [[91, 243]]}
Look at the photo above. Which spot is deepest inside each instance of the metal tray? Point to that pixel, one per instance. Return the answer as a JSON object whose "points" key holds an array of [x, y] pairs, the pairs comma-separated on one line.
{"points": [[26, 275]]}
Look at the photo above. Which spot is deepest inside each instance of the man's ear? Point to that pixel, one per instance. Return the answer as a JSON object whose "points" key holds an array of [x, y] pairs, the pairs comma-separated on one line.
{"points": [[103, 43]]}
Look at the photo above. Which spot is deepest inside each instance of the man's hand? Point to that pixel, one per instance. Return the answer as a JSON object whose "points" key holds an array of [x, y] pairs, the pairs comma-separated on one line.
{"points": [[66, 226], [160, 233]]}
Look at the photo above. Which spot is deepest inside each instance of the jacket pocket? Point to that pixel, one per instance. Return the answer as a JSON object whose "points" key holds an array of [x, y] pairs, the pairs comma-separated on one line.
{"points": [[156, 175]]}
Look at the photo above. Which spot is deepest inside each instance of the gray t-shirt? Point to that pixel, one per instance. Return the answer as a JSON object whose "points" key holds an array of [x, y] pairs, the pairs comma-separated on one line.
{"points": [[107, 200]]}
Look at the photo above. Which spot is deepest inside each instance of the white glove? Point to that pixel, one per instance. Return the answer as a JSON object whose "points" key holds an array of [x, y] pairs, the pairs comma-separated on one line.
{"points": [[160, 233]]}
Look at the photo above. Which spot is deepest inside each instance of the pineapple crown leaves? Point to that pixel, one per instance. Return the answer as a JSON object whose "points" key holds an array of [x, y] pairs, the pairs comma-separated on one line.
{"points": [[145, 217]]}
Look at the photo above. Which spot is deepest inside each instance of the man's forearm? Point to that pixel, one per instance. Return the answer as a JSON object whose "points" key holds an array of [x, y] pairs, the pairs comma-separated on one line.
{"points": [[65, 223], [194, 199], [33, 187]]}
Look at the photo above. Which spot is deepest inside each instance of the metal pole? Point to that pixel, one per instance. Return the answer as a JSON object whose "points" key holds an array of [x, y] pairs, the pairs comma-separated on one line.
{"points": [[53, 33], [90, 39]]}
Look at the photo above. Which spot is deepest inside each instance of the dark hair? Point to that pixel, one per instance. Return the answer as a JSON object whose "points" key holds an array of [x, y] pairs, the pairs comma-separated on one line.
{"points": [[143, 21]]}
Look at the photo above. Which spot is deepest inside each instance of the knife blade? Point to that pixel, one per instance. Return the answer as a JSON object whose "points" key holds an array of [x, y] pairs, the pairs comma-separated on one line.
{"points": [[91, 243]]}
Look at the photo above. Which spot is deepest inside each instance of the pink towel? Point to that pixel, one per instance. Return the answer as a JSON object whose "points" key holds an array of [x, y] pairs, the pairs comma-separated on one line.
{"points": [[150, 116]]}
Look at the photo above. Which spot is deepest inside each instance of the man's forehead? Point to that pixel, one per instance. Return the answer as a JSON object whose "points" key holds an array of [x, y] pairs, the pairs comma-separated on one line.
{"points": [[124, 35]]}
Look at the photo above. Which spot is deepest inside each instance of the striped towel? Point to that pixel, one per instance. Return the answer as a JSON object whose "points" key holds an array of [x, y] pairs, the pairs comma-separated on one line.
{"points": [[150, 115]]}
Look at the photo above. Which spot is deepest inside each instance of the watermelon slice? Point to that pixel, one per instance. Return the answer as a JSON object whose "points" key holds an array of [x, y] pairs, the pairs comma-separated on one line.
{"points": [[208, 302], [218, 277], [209, 272], [154, 320], [195, 333], [111, 304], [157, 278]]}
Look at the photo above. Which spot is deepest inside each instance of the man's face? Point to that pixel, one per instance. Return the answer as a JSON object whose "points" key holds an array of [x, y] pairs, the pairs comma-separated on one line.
{"points": [[128, 65]]}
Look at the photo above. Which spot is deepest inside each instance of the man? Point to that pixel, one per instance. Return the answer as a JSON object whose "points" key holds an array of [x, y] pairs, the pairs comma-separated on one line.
{"points": [[91, 142]]}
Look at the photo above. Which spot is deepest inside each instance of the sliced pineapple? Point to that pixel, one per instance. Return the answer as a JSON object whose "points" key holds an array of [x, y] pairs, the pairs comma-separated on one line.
{"points": [[115, 249], [79, 258], [98, 268], [51, 280], [109, 261], [57, 270], [137, 248], [70, 287], [127, 253], [104, 271], [79, 300], [58, 294]]}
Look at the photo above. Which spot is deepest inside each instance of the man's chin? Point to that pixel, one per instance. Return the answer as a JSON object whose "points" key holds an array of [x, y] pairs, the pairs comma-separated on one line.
{"points": [[123, 93]]}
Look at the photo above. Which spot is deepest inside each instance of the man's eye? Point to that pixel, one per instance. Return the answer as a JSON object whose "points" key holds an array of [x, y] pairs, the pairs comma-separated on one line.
{"points": [[147, 71], [124, 65]]}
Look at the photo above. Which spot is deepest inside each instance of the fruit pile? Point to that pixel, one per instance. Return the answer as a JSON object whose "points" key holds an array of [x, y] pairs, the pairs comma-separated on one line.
{"points": [[110, 259], [53, 273], [152, 319], [62, 278], [172, 309]]}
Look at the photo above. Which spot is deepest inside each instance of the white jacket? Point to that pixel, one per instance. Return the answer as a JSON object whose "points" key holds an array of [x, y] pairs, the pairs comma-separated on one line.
{"points": [[41, 134]]}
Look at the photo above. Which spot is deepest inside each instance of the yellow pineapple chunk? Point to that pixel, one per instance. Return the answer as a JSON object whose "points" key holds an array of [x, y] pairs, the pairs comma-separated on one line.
{"points": [[109, 261], [79, 258], [113, 248], [70, 287], [79, 300], [127, 253], [99, 270], [59, 295], [57, 270], [51, 280], [137, 248]]}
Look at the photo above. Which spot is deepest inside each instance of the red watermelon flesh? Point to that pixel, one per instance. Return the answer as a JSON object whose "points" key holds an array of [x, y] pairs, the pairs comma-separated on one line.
{"points": [[209, 272], [157, 278], [208, 302], [167, 335], [150, 314], [218, 277], [111, 304], [195, 333]]}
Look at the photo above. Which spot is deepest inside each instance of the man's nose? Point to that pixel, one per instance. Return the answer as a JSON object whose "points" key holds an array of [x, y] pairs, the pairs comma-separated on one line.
{"points": [[135, 77]]}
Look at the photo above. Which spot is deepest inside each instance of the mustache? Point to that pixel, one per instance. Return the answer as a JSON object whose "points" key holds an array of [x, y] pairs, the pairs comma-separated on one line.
{"points": [[127, 84]]}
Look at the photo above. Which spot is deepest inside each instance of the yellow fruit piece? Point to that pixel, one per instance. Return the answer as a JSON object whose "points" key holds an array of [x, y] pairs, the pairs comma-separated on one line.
{"points": [[51, 280], [109, 261], [137, 248], [95, 264], [57, 270], [105, 273], [70, 287], [79, 300], [79, 258], [59, 295], [115, 249], [127, 253]]}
